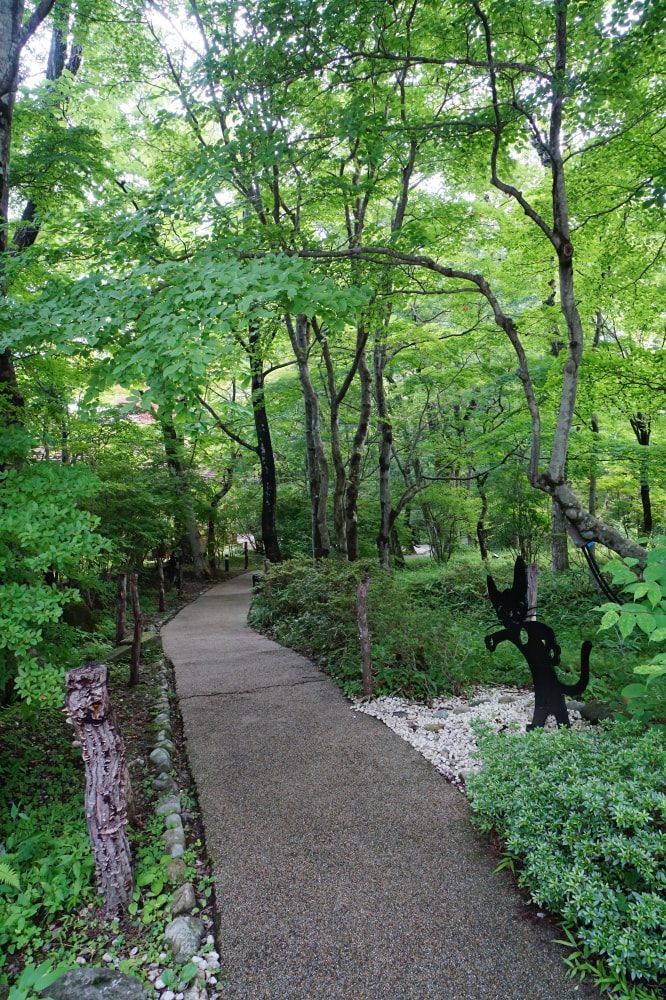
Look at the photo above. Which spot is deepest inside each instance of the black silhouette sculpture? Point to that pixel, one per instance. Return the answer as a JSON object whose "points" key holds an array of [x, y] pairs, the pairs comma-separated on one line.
{"points": [[538, 645]]}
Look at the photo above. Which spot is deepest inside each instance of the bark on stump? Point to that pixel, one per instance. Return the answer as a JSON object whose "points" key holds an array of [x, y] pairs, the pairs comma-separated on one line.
{"points": [[364, 635], [88, 706]]}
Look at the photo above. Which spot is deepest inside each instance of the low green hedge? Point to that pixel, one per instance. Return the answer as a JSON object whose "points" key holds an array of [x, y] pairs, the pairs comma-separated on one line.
{"points": [[583, 814]]}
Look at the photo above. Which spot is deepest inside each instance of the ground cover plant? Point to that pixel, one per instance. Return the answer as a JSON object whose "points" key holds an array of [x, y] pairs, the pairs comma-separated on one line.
{"points": [[582, 816]]}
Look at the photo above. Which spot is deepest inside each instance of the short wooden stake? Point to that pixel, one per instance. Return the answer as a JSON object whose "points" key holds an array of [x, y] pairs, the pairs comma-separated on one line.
{"points": [[364, 635], [88, 707], [135, 656]]}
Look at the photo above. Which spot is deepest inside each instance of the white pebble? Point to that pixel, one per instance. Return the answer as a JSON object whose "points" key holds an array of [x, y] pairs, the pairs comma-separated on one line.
{"points": [[159, 984], [106, 957]]}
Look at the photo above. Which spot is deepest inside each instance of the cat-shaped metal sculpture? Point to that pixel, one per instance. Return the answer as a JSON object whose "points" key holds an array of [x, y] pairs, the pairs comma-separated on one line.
{"points": [[538, 645]]}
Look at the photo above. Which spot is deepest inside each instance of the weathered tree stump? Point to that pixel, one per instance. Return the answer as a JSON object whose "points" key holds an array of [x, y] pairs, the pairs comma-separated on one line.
{"points": [[364, 635], [88, 706], [121, 607], [135, 656]]}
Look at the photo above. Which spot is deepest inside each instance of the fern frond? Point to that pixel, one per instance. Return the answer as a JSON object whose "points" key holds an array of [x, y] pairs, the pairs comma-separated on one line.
{"points": [[8, 876]]}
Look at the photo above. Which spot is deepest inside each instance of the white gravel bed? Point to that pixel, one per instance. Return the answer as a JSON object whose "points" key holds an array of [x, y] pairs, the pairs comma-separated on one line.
{"points": [[442, 732]]}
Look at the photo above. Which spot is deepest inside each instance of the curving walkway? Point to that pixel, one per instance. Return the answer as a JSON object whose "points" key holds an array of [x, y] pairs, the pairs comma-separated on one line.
{"points": [[345, 865]]}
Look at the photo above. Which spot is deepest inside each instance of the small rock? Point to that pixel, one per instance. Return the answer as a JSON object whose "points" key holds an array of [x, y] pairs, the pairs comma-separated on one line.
{"points": [[184, 936], [159, 983], [168, 804], [96, 984], [165, 783], [434, 727], [169, 995], [442, 713], [184, 900], [165, 744], [505, 699], [161, 759], [196, 991], [399, 715], [106, 957], [176, 871], [174, 842], [173, 822], [461, 709], [596, 711]]}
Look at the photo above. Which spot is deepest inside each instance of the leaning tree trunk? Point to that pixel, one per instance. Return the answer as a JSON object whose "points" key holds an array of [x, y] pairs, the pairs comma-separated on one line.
{"points": [[88, 706]]}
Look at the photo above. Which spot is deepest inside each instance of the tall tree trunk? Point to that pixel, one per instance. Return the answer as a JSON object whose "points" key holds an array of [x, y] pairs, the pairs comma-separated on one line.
{"points": [[264, 449], [315, 456], [481, 531], [380, 357], [356, 457], [189, 529], [641, 424]]}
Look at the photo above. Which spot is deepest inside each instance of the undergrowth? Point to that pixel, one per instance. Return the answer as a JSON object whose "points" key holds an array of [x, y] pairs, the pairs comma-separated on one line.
{"points": [[582, 816], [427, 625]]}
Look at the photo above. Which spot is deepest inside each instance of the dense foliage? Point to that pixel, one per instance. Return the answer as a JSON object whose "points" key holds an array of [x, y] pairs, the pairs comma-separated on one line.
{"points": [[583, 814]]}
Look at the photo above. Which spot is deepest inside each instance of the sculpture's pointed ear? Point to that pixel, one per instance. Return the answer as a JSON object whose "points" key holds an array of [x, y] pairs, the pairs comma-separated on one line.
{"points": [[520, 577], [493, 592]]}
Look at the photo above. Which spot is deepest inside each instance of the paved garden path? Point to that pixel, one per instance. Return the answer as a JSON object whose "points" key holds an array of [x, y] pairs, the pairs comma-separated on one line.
{"points": [[345, 866]]}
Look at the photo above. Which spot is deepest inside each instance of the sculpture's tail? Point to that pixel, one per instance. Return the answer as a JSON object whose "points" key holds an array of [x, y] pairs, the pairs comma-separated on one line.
{"points": [[579, 687]]}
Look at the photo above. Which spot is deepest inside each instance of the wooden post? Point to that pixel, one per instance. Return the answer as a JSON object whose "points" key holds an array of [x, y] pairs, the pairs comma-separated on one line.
{"points": [[364, 635], [135, 657], [121, 607], [532, 587], [181, 578], [88, 707], [161, 595], [245, 556], [226, 563]]}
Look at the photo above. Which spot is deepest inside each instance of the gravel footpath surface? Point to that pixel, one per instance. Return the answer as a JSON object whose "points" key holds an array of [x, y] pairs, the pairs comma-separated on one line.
{"points": [[345, 865]]}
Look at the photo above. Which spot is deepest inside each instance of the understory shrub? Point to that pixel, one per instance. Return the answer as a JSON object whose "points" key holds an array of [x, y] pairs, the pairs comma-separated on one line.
{"points": [[427, 624], [415, 652], [43, 838], [583, 814]]}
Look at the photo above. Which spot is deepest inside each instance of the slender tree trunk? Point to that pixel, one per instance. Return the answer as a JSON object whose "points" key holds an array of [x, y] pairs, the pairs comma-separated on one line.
{"points": [[559, 540], [161, 592], [356, 458], [592, 490], [385, 447], [364, 635], [315, 456], [135, 654], [481, 531], [121, 607], [641, 424], [264, 450], [189, 529]]}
